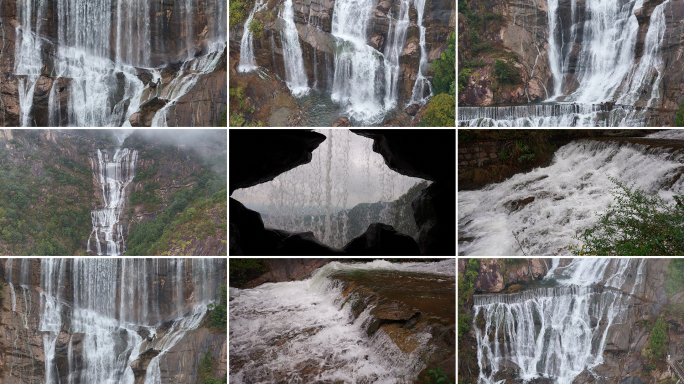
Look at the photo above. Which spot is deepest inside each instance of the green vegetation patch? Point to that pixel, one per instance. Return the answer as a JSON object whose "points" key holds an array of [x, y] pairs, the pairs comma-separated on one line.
{"points": [[256, 27], [218, 313], [506, 72], [674, 283], [445, 69], [243, 270], [679, 117], [441, 112], [636, 225], [44, 200], [658, 338], [239, 10], [206, 370]]}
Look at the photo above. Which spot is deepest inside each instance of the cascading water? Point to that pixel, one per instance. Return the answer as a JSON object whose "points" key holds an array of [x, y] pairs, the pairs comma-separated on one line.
{"points": [[283, 332], [114, 176], [356, 63], [602, 71], [188, 75], [317, 197], [247, 62], [546, 207], [110, 329], [651, 64], [556, 332], [418, 94], [395, 44], [292, 53], [103, 87]]}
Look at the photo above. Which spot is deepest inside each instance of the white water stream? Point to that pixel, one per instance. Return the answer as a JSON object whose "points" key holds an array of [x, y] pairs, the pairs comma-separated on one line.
{"points": [[292, 53], [277, 330], [568, 195], [114, 175], [554, 333], [247, 62]]}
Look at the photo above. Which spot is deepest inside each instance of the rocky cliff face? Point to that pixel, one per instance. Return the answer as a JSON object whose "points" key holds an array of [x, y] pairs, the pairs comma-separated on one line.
{"points": [[523, 34]]}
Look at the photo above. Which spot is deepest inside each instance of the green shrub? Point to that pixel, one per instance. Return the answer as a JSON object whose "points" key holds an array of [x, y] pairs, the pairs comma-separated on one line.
{"points": [[256, 27], [223, 120], [466, 283], [658, 337], [217, 311], [636, 225], [679, 118], [445, 68], [243, 270], [439, 377], [506, 72], [463, 77], [239, 9], [674, 277], [441, 112]]}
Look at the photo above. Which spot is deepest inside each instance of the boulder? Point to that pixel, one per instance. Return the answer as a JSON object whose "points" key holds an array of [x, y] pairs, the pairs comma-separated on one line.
{"points": [[431, 155], [303, 244], [145, 115], [382, 240], [249, 237], [412, 109], [258, 156], [376, 41], [617, 339], [245, 228], [341, 122], [538, 268]]}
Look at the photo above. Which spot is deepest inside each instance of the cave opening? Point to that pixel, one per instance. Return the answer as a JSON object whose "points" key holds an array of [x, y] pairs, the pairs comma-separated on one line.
{"points": [[343, 189]]}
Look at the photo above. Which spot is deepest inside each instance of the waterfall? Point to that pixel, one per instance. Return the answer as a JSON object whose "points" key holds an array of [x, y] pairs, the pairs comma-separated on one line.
{"points": [[309, 332], [104, 89], [607, 52], [190, 72], [357, 64], [553, 115], [133, 41], [396, 37], [566, 197], [650, 64], [421, 81], [292, 54], [247, 62], [110, 332], [552, 332], [114, 176]]}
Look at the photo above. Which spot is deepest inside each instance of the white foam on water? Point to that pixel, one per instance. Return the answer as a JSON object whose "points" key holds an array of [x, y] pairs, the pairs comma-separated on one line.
{"points": [[280, 329], [568, 196]]}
